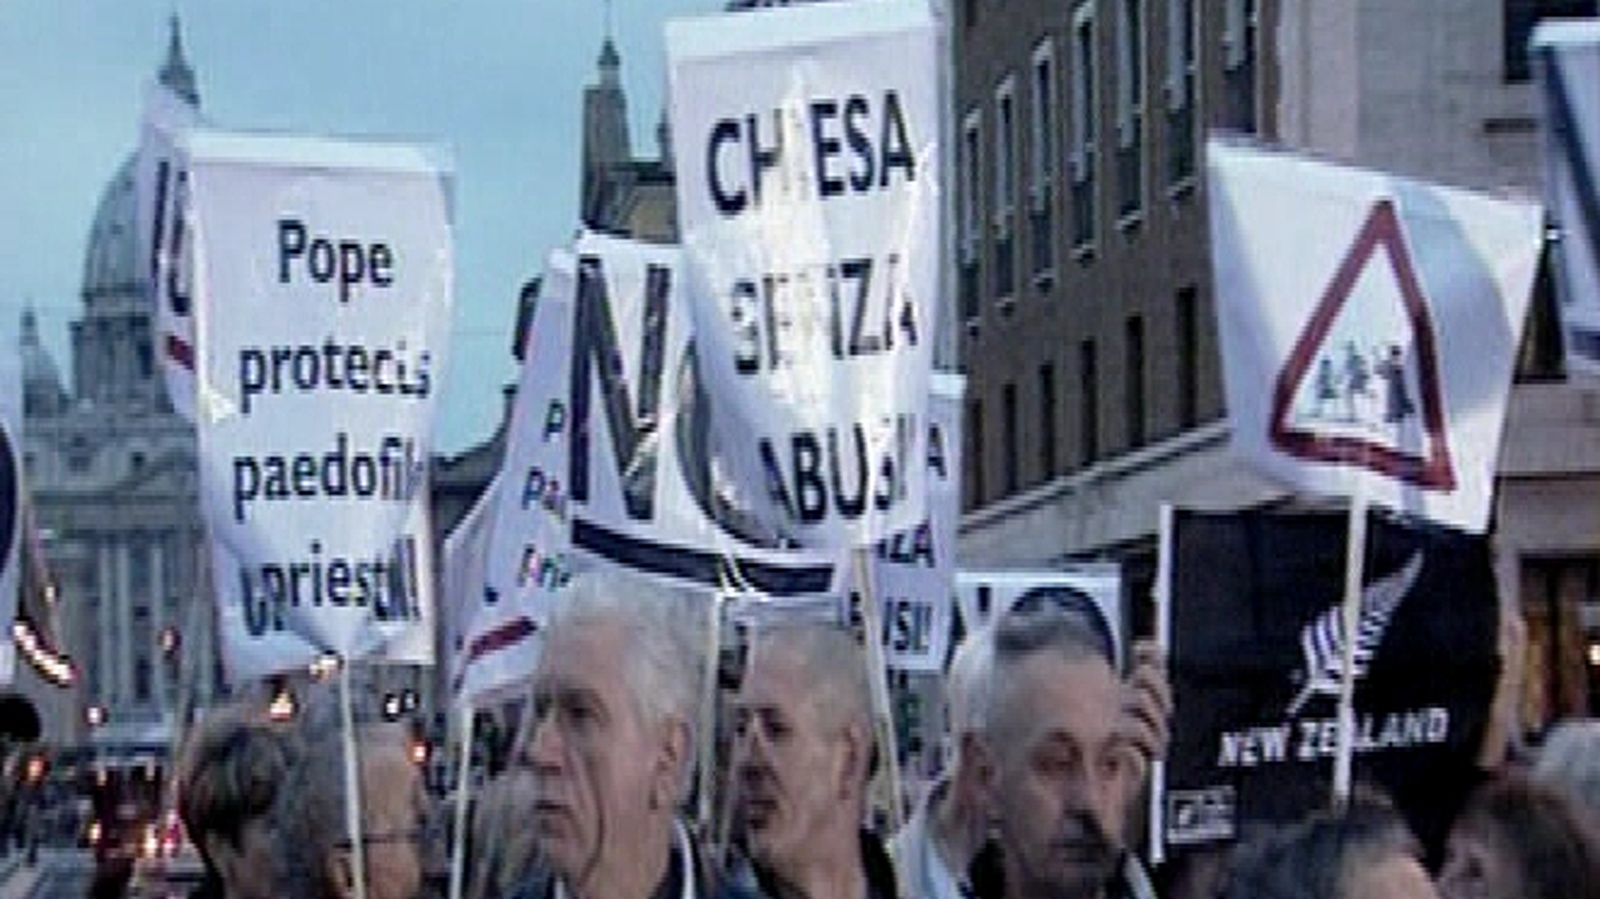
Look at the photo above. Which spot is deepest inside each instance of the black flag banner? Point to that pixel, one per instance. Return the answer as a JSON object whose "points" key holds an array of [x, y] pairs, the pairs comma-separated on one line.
{"points": [[1258, 652]]}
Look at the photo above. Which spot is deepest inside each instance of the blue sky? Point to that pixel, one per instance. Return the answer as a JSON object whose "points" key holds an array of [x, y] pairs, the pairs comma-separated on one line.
{"points": [[498, 82]]}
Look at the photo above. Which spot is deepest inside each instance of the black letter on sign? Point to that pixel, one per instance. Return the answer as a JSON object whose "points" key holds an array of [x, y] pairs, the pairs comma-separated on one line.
{"points": [[726, 203], [595, 350], [896, 145]]}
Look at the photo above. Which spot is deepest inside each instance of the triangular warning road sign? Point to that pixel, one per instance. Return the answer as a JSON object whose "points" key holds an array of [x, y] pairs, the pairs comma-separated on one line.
{"points": [[1430, 469]]}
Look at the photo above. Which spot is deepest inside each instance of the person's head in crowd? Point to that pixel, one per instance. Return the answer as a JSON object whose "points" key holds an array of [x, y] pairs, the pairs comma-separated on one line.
{"points": [[1361, 852], [229, 773], [501, 848], [1057, 755], [1516, 839], [610, 740], [1569, 760], [966, 698], [310, 819], [803, 751]]}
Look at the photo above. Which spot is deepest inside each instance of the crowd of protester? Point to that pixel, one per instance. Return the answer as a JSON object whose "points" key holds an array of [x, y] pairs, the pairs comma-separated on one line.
{"points": [[1050, 752]]}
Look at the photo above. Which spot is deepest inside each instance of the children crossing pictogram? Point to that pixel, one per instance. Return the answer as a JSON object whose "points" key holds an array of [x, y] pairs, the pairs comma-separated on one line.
{"points": [[1362, 385]]}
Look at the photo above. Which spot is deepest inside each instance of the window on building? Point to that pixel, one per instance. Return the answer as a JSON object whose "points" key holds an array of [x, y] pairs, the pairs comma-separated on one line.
{"points": [[1042, 163], [1133, 372], [974, 454], [1188, 357], [143, 679], [1522, 15], [1239, 65], [1089, 403], [1005, 189], [1047, 421], [970, 8], [1563, 642], [1009, 439], [1180, 87], [1130, 108], [1081, 151], [971, 210]]}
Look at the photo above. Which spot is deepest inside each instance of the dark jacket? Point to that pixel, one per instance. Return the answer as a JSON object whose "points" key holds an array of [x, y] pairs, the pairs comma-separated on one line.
{"points": [[987, 876], [879, 871]]}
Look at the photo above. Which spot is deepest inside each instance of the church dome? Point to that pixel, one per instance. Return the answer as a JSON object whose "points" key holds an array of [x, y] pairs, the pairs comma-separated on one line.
{"points": [[110, 263]]}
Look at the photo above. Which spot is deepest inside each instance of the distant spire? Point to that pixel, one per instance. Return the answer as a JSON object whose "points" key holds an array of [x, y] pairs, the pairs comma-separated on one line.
{"points": [[30, 325], [175, 72]]}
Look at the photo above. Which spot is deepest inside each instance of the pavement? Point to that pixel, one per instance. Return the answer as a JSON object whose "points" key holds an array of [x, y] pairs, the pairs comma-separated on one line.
{"points": [[17, 878]]}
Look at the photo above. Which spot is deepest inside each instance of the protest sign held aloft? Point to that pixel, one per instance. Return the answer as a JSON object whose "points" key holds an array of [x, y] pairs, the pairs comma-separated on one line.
{"points": [[807, 154], [323, 281], [1568, 54], [645, 484], [1368, 325], [11, 517], [1257, 655]]}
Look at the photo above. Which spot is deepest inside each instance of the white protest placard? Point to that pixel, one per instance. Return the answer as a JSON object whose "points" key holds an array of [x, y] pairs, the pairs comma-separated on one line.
{"points": [[463, 567], [1368, 326], [529, 543], [12, 523], [915, 570], [1567, 53], [806, 141], [646, 488], [323, 284], [1092, 590], [161, 192]]}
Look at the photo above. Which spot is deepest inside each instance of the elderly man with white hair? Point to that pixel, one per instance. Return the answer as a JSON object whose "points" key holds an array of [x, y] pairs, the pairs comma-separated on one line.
{"points": [[803, 756], [936, 849], [610, 742]]}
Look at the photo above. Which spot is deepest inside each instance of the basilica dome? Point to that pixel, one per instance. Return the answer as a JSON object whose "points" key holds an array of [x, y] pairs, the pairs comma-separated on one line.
{"points": [[110, 263]]}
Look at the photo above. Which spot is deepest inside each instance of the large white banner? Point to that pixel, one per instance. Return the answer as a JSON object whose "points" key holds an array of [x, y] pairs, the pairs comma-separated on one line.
{"points": [[12, 522], [646, 488], [323, 284], [530, 540], [1568, 63], [1092, 590], [161, 191], [914, 571], [1368, 325], [806, 141]]}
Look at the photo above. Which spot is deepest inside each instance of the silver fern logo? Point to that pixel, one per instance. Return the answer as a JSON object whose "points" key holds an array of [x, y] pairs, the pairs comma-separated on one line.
{"points": [[1322, 641]]}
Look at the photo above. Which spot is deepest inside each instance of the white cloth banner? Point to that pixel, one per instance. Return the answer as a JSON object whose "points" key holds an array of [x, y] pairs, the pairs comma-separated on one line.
{"points": [[323, 284], [530, 540], [1368, 326], [645, 487], [13, 525], [807, 150], [1092, 590], [1568, 63], [463, 567], [915, 570], [161, 191]]}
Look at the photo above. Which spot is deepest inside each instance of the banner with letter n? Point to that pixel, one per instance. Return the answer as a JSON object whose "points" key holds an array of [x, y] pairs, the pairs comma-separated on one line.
{"points": [[323, 280], [807, 149], [13, 524], [1257, 655], [1567, 55], [1368, 326], [647, 487], [165, 252]]}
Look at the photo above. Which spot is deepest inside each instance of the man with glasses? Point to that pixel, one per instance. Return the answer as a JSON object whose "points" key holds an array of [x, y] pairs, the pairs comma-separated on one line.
{"points": [[309, 819]]}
